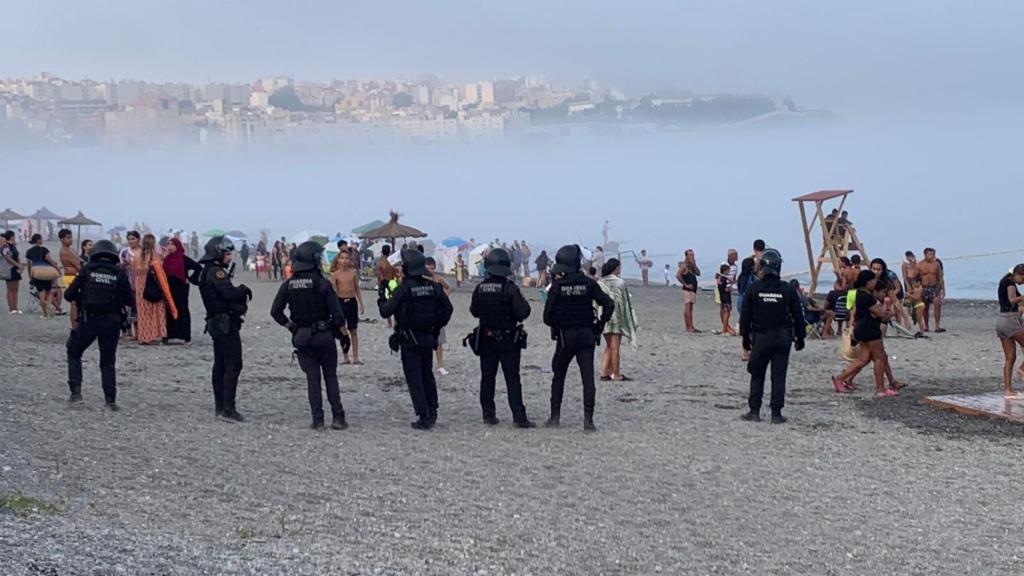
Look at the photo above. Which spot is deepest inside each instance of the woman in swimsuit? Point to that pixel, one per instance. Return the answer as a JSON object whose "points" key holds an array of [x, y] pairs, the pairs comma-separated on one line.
{"points": [[1010, 326]]}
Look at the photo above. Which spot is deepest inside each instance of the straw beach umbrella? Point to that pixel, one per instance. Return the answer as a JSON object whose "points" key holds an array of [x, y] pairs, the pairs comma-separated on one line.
{"points": [[393, 230], [79, 220], [46, 214], [7, 215]]}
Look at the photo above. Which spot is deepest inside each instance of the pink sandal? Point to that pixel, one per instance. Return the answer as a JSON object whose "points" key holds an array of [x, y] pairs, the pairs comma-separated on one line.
{"points": [[888, 393], [839, 385]]}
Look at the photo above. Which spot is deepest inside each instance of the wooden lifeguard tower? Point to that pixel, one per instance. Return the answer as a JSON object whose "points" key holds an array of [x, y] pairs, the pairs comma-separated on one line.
{"points": [[838, 236]]}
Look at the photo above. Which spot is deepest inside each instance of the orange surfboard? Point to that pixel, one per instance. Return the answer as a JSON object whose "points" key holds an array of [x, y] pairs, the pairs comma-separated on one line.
{"points": [[161, 279]]}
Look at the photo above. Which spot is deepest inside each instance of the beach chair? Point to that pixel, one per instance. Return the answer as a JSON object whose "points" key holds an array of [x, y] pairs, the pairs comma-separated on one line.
{"points": [[33, 301]]}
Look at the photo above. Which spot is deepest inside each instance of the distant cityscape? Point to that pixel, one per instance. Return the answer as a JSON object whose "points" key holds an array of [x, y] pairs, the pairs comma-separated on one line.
{"points": [[47, 110]]}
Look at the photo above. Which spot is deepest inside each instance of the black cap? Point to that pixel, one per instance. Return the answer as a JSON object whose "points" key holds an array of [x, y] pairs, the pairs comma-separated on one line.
{"points": [[498, 263], [568, 260], [413, 263], [104, 250], [307, 256]]}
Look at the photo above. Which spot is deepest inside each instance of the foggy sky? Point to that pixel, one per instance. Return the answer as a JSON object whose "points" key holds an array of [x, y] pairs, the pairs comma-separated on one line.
{"points": [[928, 95], [864, 57]]}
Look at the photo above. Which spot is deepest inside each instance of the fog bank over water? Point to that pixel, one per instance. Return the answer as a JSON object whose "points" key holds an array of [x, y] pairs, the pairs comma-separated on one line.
{"points": [[949, 182]]}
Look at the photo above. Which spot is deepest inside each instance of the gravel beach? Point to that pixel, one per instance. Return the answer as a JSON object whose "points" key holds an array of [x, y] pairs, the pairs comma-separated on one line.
{"points": [[673, 482]]}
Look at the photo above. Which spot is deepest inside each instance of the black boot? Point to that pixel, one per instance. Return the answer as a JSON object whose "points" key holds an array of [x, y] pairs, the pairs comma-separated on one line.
{"points": [[76, 395], [777, 417], [555, 418], [424, 423], [231, 416], [338, 422], [112, 406], [318, 424], [432, 415], [525, 422], [491, 419], [588, 422], [752, 416]]}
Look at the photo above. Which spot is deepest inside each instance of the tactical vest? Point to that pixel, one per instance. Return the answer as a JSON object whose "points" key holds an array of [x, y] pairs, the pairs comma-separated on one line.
{"points": [[574, 304], [492, 300], [423, 309], [771, 304], [306, 299], [208, 290], [99, 291]]}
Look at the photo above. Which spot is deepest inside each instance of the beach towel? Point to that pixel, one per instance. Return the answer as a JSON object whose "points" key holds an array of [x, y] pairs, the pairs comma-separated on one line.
{"points": [[623, 320]]}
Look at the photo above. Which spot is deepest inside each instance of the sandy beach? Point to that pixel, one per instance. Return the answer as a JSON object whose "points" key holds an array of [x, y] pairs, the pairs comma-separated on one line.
{"points": [[673, 482]]}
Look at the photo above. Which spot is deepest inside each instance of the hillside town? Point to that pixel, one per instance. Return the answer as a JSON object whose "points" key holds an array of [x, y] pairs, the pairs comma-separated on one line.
{"points": [[48, 110]]}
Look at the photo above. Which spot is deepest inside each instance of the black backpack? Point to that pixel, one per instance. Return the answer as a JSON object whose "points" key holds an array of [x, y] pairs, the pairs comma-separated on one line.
{"points": [[151, 292]]}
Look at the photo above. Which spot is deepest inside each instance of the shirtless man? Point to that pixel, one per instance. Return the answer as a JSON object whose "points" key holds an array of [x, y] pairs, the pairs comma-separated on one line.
{"points": [[934, 287], [72, 264], [346, 284], [385, 274]]}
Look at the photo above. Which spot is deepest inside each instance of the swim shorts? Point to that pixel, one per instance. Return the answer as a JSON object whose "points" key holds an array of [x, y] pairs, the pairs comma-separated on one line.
{"points": [[350, 308]]}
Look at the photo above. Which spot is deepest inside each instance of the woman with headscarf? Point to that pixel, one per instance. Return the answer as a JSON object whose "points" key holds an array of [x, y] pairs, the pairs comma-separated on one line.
{"points": [[151, 317], [622, 323], [180, 270]]}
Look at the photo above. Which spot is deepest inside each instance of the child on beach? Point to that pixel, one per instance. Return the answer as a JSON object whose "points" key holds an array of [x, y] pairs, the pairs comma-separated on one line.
{"points": [[668, 275], [723, 281], [460, 270]]}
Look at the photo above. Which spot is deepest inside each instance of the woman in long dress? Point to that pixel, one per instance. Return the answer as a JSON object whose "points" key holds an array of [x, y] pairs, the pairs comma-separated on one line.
{"points": [[181, 270], [151, 317]]}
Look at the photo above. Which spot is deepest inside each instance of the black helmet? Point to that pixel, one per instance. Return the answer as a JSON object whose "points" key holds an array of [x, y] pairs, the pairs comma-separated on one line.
{"points": [[216, 248], [498, 263], [771, 262], [414, 263], [568, 260], [104, 250], [307, 256]]}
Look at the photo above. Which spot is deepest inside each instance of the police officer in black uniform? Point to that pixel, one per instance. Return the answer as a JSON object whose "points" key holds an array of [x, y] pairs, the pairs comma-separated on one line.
{"points": [[421, 309], [226, 305], [101, 290], [500, 337], [770, 321], [316, 318], [569, 311]]}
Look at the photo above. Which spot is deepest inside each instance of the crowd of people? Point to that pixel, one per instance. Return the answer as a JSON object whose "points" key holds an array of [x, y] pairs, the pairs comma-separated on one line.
{"points": [[864, 303]]}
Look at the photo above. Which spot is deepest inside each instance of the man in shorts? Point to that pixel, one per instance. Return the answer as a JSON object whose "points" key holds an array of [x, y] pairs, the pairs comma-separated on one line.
{"points": [[346, 284], [933, 285], [385, 274], [72, 264]]}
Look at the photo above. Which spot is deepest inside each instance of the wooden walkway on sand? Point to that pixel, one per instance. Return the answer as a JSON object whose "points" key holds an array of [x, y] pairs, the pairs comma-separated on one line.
{"points": [[993, 405]]}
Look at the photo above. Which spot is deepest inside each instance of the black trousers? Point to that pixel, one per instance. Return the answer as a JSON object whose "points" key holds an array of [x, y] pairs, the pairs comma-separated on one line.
{"points": [[418, 366], [506, 354], [321, 356], [773, 348], [106, 329], [227, 366], [578, 344]]}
